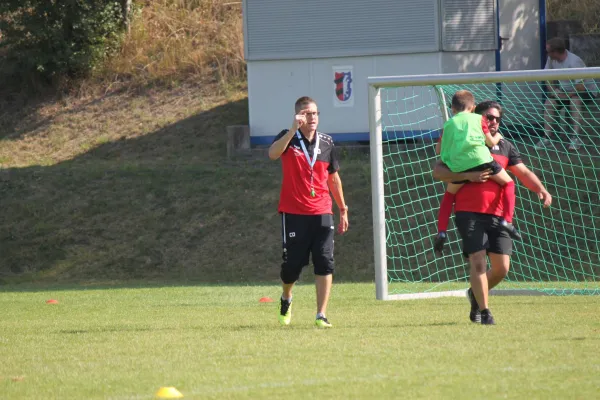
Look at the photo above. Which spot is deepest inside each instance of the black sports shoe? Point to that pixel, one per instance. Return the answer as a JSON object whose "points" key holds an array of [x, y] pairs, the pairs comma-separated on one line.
{"points": [[438, 243], [487, 318], [475, 314], [512, 231]]}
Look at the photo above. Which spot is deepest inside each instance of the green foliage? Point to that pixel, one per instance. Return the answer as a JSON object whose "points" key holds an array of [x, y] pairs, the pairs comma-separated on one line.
{"points": [[44, 39], [587, 12]]}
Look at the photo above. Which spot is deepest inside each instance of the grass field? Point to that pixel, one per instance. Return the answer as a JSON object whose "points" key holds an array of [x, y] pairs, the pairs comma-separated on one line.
{"points": [[123, 177], [220, 342]]}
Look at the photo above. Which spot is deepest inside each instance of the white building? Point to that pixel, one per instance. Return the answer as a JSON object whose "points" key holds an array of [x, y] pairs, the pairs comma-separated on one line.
{"points": [[326, 49]]}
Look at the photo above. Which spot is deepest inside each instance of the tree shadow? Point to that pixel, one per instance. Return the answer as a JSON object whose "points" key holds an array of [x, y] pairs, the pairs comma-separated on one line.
{"points": [[20, 111], [166, 207], [28, 111]]}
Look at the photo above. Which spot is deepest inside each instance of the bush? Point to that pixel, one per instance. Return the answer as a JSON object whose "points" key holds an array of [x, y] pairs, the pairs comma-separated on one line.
{"points": [[45, 39], [585, 11]]}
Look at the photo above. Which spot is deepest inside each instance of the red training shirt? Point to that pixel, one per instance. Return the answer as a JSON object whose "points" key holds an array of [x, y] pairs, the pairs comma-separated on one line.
{"points": [[295, 195]]}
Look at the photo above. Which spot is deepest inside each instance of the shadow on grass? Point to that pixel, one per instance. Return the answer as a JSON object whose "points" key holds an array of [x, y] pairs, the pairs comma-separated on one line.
{"points": [[21, 110], [166, 206], [25, 112]]}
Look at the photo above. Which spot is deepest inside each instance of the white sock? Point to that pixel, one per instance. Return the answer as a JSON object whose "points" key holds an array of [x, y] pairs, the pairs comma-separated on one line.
{"points": [[288, 300], [320, 315]]}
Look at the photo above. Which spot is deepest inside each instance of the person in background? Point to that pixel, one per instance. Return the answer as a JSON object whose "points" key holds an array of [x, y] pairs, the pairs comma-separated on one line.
{"points": [[570, 94]]}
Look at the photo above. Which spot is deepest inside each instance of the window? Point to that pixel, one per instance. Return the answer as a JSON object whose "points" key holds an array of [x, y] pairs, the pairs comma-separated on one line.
{"points": [[469, 25]]}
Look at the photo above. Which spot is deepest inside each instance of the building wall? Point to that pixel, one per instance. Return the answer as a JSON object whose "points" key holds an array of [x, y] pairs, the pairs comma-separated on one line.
{"points": [[283, 30], [279, 72], [274, 86]]}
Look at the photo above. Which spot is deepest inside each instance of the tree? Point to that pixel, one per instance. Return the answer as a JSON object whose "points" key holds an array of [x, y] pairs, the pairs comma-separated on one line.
{"points": [[126, 7], [49, 38]]}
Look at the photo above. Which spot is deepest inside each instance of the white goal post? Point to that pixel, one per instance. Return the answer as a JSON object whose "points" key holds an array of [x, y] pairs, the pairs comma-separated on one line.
{"points": [[406, 114]]}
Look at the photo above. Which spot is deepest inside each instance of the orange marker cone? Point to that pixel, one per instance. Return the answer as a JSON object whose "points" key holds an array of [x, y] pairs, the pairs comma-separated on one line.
{"points": [[266, 300], [51, 301]]}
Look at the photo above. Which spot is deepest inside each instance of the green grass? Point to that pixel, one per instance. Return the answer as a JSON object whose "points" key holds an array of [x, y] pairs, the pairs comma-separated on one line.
{"points": [[214, 342], [129, 181]]}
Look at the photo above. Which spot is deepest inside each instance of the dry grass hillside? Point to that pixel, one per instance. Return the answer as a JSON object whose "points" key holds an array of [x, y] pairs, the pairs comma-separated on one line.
{"points": [[173, 41], [179, 58]]}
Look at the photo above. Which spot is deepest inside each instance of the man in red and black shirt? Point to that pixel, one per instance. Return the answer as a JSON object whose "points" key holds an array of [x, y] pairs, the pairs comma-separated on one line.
{"points": [[310, 172], [478, 209]]}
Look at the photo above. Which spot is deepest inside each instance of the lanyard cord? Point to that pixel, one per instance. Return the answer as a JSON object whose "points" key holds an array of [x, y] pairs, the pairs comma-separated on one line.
{"points": [[311, 163]]}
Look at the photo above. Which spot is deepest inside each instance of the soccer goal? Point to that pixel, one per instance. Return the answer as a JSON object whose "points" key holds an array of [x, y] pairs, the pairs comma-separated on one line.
{"points": [[560, 252]]}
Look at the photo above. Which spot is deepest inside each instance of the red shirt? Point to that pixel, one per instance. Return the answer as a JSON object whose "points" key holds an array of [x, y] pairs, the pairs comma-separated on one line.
{"points": [[485, 197], [295, 195]]}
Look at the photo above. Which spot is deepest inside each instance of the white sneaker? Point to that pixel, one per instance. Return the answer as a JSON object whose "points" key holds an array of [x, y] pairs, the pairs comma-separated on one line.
{"points": [[543, 143], [576, 143]]}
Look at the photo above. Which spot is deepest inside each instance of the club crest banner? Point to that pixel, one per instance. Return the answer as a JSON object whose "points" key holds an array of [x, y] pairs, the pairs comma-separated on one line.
{"points": [[343, 95]]}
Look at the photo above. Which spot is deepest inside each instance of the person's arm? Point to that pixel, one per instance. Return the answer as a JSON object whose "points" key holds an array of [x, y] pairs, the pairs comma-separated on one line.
{"points": [[553, 86], [531, 182], [556, 91], [579, 83], [278, 147], [442, 173], [335, 186], [438, 145], [490, 141]]}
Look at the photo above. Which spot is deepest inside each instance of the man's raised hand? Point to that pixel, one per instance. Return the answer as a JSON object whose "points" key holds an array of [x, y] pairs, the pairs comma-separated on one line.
{"points": [[299, 120]]}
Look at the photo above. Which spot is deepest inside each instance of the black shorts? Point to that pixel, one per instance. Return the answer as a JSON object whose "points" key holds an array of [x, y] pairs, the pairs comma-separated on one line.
{"points": [[493, 165], [482, 232], [302, 236]]}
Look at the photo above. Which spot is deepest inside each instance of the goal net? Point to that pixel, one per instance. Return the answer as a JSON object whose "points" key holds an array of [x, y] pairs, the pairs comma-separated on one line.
{"points": [[560, 252]]}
